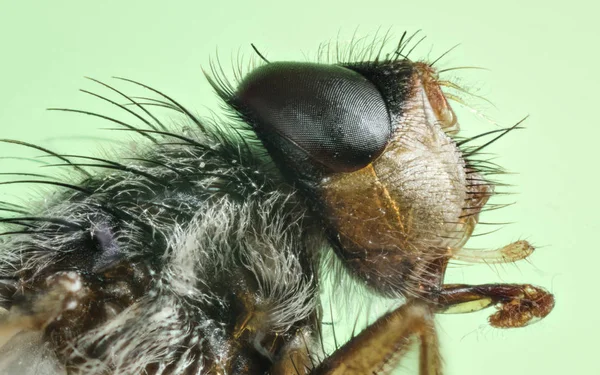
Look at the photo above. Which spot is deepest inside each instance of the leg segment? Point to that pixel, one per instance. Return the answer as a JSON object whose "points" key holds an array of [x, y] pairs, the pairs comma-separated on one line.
{"points": [[518, 305], [296, 360], [378, 348]]}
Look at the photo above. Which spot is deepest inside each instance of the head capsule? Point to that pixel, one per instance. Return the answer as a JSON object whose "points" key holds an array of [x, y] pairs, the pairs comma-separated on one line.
{"points": [[367, 143]]}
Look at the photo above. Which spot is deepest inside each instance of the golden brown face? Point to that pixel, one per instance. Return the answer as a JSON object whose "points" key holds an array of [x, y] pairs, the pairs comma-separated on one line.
{"points": [[410, 203], [370, 143]]}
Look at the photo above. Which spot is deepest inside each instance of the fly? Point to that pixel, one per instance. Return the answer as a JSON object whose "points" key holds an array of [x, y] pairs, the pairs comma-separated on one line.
{"points": [[201, 253]]}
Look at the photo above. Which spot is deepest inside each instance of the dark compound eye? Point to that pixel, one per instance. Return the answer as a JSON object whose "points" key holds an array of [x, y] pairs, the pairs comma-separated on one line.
{"points": [[322, 117]]}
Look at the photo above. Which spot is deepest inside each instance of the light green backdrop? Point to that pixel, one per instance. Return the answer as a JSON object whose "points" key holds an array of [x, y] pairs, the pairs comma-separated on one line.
{"points": [[542, 58]]}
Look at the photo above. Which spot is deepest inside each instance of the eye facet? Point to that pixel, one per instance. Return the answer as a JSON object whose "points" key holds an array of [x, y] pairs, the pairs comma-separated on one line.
{"points": [[323, 117]]}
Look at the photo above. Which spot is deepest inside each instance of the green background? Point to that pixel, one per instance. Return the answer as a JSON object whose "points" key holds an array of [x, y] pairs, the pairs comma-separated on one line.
{"points": [[542, 58]]}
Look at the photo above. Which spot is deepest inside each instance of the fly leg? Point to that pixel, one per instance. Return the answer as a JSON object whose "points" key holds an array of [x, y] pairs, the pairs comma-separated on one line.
{"points": [[379, 348], [518, 305], [296, 359]]}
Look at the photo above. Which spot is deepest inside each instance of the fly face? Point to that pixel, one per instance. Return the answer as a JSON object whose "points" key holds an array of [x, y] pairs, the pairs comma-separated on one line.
{"points": [[201, 254]]}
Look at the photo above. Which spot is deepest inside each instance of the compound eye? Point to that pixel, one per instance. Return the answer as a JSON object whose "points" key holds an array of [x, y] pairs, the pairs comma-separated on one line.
{"points": [[326, 115]]}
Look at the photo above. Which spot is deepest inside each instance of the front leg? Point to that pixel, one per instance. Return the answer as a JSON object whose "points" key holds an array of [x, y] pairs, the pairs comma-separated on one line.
{"points": [[380, 347]]}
